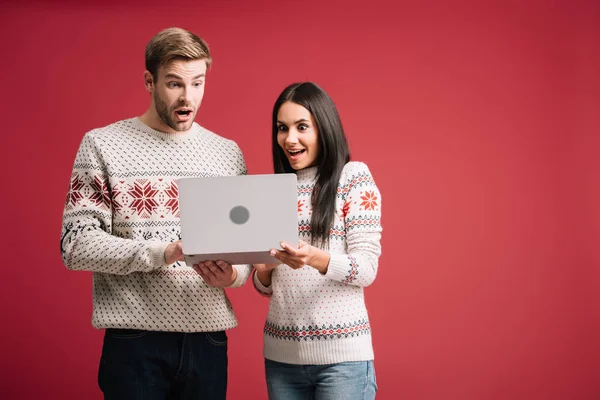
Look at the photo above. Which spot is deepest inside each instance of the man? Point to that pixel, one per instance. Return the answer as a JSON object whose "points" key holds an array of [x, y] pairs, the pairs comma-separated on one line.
{"points": [[165, 325]]}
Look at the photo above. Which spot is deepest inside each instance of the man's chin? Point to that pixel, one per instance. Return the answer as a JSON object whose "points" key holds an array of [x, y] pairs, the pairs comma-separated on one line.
{"points": [[182, 126]]}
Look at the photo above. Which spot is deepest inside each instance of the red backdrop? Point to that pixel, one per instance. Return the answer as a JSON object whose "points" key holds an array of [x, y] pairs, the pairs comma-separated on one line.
{"points": [[479, 122]]}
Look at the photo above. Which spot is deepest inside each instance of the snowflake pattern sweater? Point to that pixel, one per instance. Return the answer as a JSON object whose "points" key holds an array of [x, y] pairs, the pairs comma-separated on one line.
{"points": [[122, 211], [319, 318]]}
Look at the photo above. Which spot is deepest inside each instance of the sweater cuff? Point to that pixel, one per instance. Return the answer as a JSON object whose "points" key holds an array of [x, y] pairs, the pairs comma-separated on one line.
{"points": [[239, 279], [157, 255], [339, 267], [265, 290]]}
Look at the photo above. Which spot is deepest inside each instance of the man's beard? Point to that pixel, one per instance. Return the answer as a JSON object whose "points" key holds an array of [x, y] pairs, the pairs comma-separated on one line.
{"points": [[163, 112]]}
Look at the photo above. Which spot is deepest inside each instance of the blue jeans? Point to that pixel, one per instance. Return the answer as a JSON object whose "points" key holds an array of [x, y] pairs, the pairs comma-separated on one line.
{"points": [[342, 381], [138, 365]]}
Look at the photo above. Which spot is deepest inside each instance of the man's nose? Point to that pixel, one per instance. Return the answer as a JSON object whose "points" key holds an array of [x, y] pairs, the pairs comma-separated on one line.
{"points": [[186, 96]]}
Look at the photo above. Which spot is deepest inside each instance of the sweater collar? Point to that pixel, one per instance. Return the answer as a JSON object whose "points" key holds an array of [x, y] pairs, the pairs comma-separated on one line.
{"points": [[307, 174], [175, 137]]}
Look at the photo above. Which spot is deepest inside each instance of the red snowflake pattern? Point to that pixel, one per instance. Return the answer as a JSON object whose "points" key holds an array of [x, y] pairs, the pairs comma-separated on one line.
{"points": [[173, 202], [143, 198], [369, 201], [346, 208], [100, 195], [74, 196], [117, 207], [300, 205]]}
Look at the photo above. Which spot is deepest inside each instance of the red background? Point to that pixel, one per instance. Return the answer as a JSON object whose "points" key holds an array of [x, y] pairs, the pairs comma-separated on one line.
{"points": [[479, 120]]}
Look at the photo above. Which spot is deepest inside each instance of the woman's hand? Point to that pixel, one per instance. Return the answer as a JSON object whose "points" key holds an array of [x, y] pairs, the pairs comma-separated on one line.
{"points": [[264, 268], [264, 272], [294, 257], [305, 254]]}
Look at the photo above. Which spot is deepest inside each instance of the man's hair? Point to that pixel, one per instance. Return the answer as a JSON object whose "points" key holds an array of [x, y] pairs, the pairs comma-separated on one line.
{"points": [[173, 43]]}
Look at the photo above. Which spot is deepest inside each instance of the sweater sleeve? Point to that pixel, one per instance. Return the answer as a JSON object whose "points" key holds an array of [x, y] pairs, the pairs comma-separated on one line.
{"points": [[240, 162], [361, 213], [263, 290], [87, 242], [243, 272]]}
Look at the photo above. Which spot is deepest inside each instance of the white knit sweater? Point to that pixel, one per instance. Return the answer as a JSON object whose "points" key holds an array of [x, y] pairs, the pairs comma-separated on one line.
{"points": [[122, 211], [322, 319]]}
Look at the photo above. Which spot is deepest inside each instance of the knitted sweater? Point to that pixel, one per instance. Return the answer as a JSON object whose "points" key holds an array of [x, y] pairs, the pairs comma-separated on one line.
{"points": [[319, 318], [122, 212]]}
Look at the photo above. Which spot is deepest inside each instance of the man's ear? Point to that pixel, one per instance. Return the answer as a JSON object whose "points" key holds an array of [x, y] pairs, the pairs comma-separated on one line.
{"points": [[148, 81]]}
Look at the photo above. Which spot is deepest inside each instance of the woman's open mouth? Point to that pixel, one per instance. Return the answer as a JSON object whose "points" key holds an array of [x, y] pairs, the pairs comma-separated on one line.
{"points": [[296, 154]]}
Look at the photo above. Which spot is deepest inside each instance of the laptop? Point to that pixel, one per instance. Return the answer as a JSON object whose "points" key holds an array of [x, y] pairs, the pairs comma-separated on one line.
{"points": [[237, 219]]}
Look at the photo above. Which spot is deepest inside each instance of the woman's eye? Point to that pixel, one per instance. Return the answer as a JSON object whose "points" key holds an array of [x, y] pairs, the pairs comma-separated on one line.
{"points": [[282, 128], [302, 127]]}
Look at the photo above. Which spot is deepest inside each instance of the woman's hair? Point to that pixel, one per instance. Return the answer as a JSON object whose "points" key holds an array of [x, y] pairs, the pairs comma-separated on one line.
{"points": [[334, 153]]}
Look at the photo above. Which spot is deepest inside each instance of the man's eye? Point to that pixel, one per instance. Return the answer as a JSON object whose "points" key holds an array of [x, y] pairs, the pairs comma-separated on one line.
{"points": [[197, 84], [173, 84]]}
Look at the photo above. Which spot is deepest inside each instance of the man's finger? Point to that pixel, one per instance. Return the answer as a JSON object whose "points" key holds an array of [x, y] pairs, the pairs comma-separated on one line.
{"points": [[207, 270], [207, 280], [214, 268], [202, 274], [225, 267]]}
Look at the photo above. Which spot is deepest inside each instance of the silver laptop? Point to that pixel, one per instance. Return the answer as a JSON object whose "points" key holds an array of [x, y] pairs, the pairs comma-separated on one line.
{"points": [[237, 219]]}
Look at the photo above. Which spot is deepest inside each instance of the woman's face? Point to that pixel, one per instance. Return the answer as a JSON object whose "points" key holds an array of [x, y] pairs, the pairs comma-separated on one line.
{"points": [[297, 135]]}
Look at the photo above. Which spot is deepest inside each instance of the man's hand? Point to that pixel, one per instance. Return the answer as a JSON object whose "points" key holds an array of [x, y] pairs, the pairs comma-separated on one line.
{"points": [[218, 274], [174, 253]]}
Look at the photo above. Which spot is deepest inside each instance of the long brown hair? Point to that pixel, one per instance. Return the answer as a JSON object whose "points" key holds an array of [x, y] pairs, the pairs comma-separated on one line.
{"points": [[333, 156]]}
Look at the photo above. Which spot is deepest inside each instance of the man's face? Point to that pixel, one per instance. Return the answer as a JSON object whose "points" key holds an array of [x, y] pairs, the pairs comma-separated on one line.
{"points": [[177, 93]]}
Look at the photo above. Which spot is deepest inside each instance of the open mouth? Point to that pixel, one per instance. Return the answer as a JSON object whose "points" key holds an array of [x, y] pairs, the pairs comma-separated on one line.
{"points": [[295, 154], [183, 114]]}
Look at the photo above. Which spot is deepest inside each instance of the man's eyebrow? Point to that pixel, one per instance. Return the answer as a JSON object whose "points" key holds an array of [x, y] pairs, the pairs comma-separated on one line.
{"points": [[175, 76], [172, 75]]}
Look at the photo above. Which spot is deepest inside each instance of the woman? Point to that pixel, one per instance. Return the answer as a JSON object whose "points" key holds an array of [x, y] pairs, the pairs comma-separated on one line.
{"points": [[317, 342]]}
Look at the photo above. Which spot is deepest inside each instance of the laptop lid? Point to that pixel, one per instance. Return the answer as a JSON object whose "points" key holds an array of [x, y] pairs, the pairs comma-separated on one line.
{"points": [[237, 219]]}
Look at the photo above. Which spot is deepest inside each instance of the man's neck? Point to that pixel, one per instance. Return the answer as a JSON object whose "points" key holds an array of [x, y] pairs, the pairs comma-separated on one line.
{"points": [[152, 120]]}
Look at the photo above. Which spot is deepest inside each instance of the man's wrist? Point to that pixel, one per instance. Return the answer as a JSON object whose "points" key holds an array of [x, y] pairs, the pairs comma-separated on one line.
{"points": [[234, 276]]}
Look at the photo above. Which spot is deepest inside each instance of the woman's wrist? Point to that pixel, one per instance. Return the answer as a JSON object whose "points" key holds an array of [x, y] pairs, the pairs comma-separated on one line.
{"points": [[264, 277], [319, 259]]}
